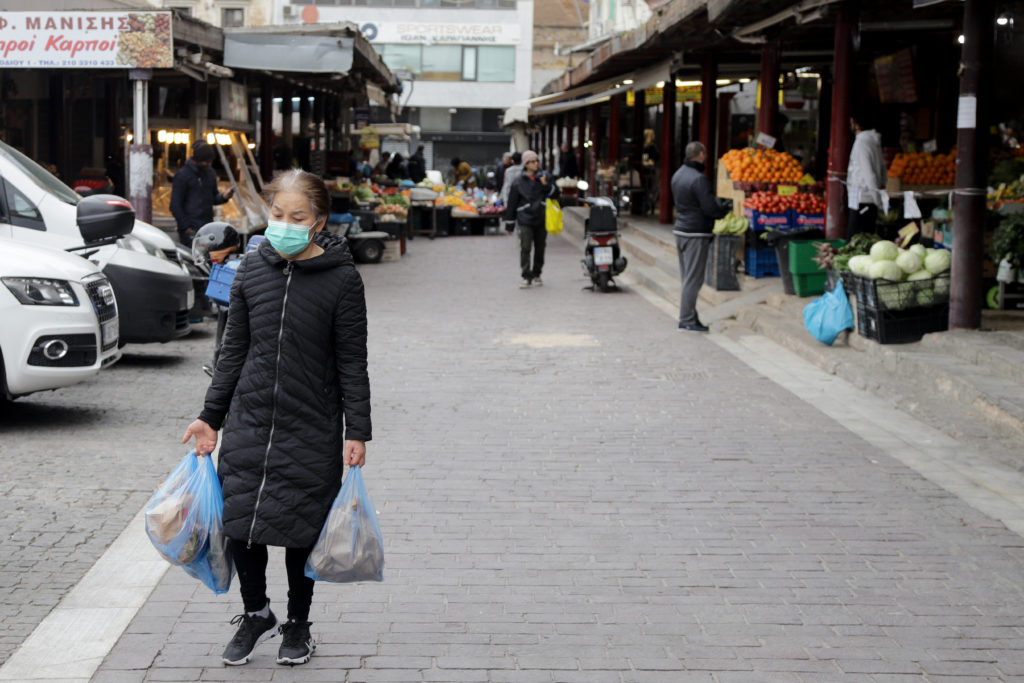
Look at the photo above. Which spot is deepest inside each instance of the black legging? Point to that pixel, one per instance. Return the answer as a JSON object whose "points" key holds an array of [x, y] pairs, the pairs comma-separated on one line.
{"points": [[251, 565]]}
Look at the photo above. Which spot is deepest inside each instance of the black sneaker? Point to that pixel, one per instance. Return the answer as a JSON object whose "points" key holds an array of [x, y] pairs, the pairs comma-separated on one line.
{"points": [[298, 645], [253, 631], [692, 327]]}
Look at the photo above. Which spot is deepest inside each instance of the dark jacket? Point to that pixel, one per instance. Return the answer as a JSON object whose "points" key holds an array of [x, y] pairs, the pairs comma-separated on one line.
{"points": [[193, 194], [293, 383], [526, 200], [568, 167], [417, 167], [697, 208]]}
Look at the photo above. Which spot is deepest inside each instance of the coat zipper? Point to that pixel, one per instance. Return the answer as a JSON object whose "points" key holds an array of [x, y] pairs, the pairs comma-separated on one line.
{"points": [[273, 410]]}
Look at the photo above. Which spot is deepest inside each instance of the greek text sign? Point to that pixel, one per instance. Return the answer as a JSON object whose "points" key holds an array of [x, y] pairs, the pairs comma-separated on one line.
{"points": [[442, 32], [86, 40]]}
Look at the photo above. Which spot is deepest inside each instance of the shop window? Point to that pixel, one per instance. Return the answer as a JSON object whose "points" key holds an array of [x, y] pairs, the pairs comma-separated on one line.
{"points": [[496, 64], [20, 209], [232, 17], [469, 63], [402, 57], [442, 63]]}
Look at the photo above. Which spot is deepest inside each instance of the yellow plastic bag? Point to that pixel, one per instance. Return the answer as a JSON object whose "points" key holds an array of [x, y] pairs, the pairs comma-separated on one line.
{"points": [[553, 217]]}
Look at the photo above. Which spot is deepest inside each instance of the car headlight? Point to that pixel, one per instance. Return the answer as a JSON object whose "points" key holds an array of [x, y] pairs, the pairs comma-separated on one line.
{"points": [[133, 243], [41, 291]]}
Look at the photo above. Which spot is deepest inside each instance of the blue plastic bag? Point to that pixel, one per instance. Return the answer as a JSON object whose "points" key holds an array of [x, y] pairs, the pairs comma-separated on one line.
{"points": [[184, 522], [350, 547], [828, 315]]}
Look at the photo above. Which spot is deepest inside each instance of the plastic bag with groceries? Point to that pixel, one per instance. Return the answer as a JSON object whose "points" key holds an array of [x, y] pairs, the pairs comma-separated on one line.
{"points": [[350, 547], [184, 522]]}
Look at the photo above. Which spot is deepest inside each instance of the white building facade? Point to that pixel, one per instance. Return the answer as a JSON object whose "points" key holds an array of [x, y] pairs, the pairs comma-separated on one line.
{"points": [[462, 63], [608, 17]]}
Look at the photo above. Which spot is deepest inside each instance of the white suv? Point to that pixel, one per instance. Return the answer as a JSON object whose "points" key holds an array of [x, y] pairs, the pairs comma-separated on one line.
{"points": [[60, 323]]}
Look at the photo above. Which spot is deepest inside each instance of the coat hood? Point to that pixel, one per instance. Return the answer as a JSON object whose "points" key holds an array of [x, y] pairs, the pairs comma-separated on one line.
{"points": [[336, 253]]}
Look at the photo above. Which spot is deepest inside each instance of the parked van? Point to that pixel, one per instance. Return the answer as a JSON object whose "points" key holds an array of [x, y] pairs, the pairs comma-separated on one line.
{"points": [[154, 294], [60, 322]]}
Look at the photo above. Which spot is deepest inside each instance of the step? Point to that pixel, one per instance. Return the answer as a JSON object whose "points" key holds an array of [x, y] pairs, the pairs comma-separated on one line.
{"points": [[1002, 352], [649, 253], [655, 281]]}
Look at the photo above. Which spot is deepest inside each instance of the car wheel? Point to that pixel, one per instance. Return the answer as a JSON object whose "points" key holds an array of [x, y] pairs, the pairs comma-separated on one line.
{"points": [[370, 251]]}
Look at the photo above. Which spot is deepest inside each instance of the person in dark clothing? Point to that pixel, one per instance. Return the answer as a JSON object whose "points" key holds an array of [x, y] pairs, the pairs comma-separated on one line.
{"points": [[499, 173], [417, 166], [568, 167], [697, 208], [396, 167], [292, 394], [527, 210], [194, 192]]}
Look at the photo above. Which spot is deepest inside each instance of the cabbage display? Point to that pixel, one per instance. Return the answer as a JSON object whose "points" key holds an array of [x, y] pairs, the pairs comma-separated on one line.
{"points": [[885, 270], [937, 261], [909, 262], [884, 250]]}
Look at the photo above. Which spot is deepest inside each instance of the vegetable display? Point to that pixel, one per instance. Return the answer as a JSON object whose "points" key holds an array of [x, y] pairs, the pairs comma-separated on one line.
{"points": [[924, 169], [769, 202], [730, 225], [762, 165]]}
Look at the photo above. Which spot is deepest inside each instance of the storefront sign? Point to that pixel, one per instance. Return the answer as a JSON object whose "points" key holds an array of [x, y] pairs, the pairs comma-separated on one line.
{"points": [[895, 76], [82, 40], [653, 96], [234, 102], [441, 32]]}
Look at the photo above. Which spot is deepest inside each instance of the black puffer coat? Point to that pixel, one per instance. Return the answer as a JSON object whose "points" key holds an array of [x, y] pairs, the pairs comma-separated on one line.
{"points": [[292, 365]]}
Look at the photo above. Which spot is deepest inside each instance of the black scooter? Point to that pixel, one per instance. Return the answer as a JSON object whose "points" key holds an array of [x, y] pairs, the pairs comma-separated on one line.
{"points": [[602, 259]]}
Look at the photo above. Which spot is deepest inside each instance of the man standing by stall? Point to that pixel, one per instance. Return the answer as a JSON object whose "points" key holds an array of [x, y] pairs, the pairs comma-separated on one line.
{"points": [[194, 192], [866, 175], [527, 211], [697, 208]]}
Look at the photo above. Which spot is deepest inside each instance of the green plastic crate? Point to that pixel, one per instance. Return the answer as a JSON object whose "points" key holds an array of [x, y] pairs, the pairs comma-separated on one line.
{"points": [[809, 284], [802, 251]]}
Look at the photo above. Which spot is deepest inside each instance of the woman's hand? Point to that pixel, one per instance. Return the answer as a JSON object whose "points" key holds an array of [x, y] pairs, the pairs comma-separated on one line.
{"points": [[206, 437], [355, 453]]}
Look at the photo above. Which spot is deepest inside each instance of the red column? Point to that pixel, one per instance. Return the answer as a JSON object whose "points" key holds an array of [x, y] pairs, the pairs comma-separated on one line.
{"points": [[581, 122], [668, 146], [549, 127], [839, 145], [595, 144], [723, 123], [708, 113], [615, 105], [266, 130], [639, 110], [969, 204], [767, 115]]}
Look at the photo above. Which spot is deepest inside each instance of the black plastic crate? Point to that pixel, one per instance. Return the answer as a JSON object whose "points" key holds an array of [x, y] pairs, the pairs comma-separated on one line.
{"points": [[901, 296], [721, 270], [900, 327]]}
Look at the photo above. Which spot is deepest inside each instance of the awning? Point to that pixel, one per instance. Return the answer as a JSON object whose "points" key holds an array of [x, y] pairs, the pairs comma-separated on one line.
{"points": [[288, 52], [586, 95]]}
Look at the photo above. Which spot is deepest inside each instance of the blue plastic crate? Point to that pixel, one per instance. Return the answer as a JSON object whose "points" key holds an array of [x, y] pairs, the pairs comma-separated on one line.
{"points": [[222, 275], [761, 262]]}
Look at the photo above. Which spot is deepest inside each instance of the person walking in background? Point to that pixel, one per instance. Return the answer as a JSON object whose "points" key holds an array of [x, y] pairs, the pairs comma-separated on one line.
{"points": [[865, 176], [697, 208], [511, 173], [417, 166], [396, 167], [568, 167], [526, 211], [292, 394], [194, 193], [499, 174]]}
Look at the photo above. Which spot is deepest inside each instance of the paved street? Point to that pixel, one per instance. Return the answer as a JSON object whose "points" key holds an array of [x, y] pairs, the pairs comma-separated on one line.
{"points": [[569, 490]]}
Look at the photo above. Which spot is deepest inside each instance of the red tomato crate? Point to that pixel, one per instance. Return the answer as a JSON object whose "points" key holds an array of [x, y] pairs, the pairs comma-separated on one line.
{"points": [[762, 221]]}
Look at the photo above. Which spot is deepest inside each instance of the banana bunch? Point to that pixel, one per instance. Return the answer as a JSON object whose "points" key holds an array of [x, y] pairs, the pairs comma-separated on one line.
{"points": [[730, 225]]}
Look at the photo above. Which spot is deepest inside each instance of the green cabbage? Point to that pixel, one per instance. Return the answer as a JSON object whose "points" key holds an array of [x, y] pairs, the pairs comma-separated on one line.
{"points": [[925, 297], [909, 262], [859, 264], [938, 261], [885, 270], [884, 250], [919, 275], [919, 250]]}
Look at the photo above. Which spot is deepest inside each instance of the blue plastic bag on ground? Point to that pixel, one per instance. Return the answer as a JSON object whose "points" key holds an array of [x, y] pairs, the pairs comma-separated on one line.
{"points": [[184, 523], [828, 315], [350, 547]]}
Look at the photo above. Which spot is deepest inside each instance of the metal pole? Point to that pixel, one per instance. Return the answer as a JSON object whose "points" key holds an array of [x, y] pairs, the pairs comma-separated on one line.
{"points": [[581, 136], [969, 203], [140, 152], [668, 144], [595, 144], [839, 136], [708, 112], [614, 131]]}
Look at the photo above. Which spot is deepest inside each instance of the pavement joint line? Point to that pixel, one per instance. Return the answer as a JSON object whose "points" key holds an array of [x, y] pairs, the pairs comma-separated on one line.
{"points": [[70, 644], [980, 481]]}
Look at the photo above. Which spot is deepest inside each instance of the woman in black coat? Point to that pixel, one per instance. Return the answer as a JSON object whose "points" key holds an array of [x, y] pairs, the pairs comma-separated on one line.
{"points": [[292, 393]]}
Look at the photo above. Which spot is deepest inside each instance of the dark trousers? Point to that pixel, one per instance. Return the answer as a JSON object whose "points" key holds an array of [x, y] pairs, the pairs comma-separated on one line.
{"points": [[693, 260], [862, 219], [251, 565], [533, 237]]}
